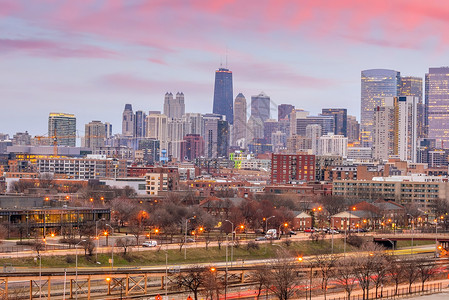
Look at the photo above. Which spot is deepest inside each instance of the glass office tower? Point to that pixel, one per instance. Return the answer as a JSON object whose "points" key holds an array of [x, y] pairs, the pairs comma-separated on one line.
{"points": [[223, 99], [376, 85]]}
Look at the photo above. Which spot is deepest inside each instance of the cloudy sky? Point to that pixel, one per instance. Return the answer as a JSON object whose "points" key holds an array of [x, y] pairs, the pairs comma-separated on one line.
{"points": [[91, 57]]}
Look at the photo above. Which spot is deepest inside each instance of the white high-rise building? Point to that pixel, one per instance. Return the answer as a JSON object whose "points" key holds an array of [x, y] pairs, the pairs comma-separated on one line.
{"points": [[157, 127], [174, 107], [313, 132], [193, 123], [333, 144], [240, 123], [175, 137], [383, 134], [396, 129]]}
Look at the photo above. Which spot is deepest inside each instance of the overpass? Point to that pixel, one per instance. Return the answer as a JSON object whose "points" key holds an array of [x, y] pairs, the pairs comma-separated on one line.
{"points": [[390, 240]]}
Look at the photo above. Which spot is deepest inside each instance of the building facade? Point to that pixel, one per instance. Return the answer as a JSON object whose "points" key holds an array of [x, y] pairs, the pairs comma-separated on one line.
{"points": [[340, 119], [94, 135], [437, 105], [288, 168], [174, 107], [223, 94], [62, 128], [128, 121], [376, 85], [260, 106], [240, 121]]}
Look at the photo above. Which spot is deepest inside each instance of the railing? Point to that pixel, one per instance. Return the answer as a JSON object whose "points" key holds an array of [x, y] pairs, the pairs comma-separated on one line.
{"points": [[390, 293]]}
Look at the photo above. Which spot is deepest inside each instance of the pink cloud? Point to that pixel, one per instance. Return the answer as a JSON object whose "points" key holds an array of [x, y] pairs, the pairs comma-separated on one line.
{"points": [[130, 82], [166, 26], [51, 48]]}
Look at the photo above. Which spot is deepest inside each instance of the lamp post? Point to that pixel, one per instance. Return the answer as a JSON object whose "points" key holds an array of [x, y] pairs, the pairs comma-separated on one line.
{"points": [[40, 276], [266, 223], [76, 268], [98, 239], [232, 245], [112, 247], [285, 226], [185, 238]]}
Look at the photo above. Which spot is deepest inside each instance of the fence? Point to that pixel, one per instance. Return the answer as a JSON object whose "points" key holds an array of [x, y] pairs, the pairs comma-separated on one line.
{"points": [[382, 293]]}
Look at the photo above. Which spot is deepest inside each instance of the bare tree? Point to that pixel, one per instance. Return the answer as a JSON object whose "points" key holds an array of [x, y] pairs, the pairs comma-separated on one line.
{"points": [[192, 279], [260, 276], [365, 265], [89, 247], [345, 274], [411, 273], [212, 285], [125, 243], [380, 271], [325, 264], [426, 269], [396, 272], [283, 276], [46, 180]]}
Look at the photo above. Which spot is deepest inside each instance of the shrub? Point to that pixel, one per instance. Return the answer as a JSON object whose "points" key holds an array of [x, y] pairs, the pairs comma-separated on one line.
{"points": [[252, 245], [354, 240]]}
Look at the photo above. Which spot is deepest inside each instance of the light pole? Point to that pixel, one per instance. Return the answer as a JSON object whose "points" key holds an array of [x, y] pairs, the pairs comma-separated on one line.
{"points": [[266, 223], [185, 238], [166, 275], [232, 245], [76, 268], [98, 239], [332, 230], [112, 247], [436, 238], [40, 276]]}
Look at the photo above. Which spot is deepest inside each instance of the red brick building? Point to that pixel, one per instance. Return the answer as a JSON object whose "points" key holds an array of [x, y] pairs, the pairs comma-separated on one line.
{"points": [[302, 221], [192, 147], [286, 168]]}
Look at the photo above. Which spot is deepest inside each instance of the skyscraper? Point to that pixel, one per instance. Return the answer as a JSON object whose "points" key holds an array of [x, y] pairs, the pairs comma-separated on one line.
{"points": [[62, 127], [128, 121], [240, 122], [413, 86], [157, 128], [260, 106], [139, 124], [395, 130], [353, 130], [94, 134], [108, 129], [341, 119], [174, 107], [284, 111], [216, 136], [223, 94], [376, 85], [437, 105], [193, 123]]}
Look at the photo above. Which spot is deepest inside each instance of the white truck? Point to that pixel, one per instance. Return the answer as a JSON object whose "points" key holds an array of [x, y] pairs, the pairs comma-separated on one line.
{"points": [[271, 234]]}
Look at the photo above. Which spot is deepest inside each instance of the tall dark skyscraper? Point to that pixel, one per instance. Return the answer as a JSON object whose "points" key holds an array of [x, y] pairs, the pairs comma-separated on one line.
{"points": [[341, 119], [223, 98]]}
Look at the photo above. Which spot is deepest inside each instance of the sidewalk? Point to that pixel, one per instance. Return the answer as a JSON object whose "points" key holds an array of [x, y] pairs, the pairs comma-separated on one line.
{"points": [[387, 292]]}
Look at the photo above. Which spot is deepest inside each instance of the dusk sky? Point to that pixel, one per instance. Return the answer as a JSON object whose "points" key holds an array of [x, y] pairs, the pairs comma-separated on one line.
{"points": [[89, 58]]}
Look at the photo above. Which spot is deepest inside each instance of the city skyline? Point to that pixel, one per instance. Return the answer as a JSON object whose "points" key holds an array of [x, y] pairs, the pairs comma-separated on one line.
{"points": [[89, 59]]}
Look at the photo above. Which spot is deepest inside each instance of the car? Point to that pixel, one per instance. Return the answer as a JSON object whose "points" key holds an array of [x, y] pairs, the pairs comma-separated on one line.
{"points": [[309, 230], [260, 238], [149, 244], [291, 232], [332, 231], [189, 240]]}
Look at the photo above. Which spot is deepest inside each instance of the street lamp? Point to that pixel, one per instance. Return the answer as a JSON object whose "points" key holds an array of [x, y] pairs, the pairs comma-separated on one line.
{"points": [[76, 267], [112, 247], [98, 238], [285, 226], [266, 223], [185, 238], [232, 239]]}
